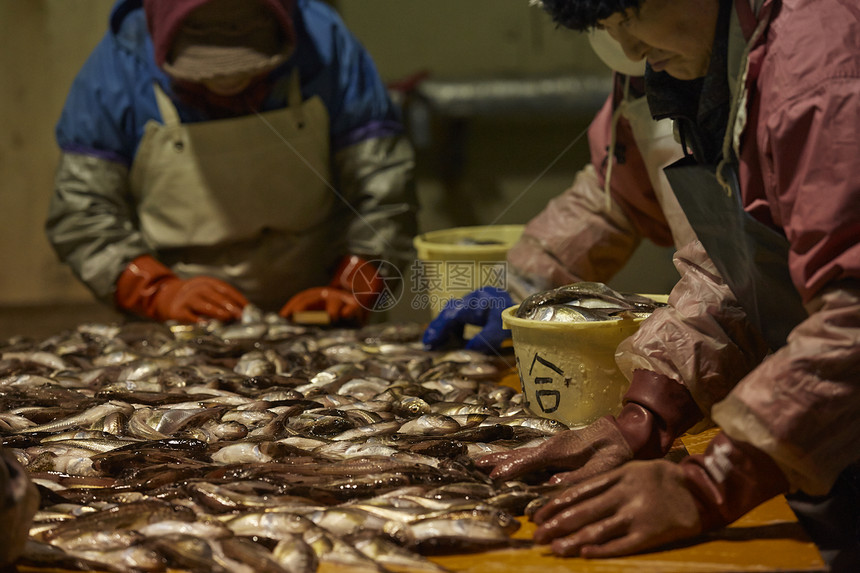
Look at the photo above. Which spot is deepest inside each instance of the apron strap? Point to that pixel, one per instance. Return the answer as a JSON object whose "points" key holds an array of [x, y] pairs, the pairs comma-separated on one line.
{"points": [[746, 14], [737, 83], [169, 115], [294, 98], [610, 158], [295, 101]]}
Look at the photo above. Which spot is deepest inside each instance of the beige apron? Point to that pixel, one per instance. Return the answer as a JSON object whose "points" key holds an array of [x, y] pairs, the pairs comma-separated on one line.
{"points": [[656, 143], [244, 199]]}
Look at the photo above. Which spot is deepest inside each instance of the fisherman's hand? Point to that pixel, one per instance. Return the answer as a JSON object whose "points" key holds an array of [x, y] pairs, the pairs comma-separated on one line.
{"points": [[630, 509], [349, 297], [19, 501], [150, 289], [588, 451], [199, 298], [340, 305], [656, 410], [482, 307], [646, 504]]}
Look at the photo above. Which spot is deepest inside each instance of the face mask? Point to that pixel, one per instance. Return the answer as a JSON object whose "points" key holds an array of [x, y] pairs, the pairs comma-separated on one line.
{"points": [[218, 106], [612, 55]]}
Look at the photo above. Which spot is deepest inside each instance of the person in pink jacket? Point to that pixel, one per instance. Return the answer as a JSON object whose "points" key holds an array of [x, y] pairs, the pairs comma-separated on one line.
{"points": [[762, 332]]}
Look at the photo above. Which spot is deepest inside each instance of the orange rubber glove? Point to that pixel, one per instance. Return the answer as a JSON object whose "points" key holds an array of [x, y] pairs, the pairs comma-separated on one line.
{"points": [[348, 298], [148, 288]]}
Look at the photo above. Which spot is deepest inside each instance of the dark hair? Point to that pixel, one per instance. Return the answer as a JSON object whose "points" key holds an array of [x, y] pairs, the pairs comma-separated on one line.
{"points": [[584, 14]]}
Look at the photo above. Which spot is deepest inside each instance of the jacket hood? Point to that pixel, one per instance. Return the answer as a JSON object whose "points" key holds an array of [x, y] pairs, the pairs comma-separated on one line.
{"points": [[164, 19]]}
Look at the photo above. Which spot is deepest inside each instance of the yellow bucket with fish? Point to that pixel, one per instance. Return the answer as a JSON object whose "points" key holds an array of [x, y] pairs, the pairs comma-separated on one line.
{"points": [[454, 262], [567, 369]]}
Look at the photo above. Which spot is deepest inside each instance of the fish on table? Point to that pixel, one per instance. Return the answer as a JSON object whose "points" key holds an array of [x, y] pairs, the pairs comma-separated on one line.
{"points": [[260, 446]]}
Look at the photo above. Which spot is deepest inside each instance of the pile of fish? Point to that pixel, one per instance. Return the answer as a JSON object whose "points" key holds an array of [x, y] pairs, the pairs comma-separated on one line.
{"points": [[260, 446], [585, 302]]}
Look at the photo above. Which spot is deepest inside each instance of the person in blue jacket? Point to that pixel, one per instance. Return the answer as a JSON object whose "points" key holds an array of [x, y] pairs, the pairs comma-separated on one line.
{"points": [[221, 152]]}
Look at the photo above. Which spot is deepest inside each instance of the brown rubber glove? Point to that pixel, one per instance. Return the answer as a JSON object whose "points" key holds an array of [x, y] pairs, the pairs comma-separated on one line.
{"points": [[19, 501], [349, 297], [148, 288], [645, 504], [588, 451], [656, 410]]}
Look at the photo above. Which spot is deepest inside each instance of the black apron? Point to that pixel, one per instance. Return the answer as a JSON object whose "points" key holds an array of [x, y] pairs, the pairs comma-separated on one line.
{"points": [[751, 257]]}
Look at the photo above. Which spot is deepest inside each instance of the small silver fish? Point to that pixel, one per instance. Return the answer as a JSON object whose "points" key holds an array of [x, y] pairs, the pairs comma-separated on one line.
{"points": [[430, 425]]}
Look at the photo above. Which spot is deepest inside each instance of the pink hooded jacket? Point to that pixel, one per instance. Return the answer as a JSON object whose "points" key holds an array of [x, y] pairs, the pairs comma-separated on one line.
{"points": [[799, 174]]}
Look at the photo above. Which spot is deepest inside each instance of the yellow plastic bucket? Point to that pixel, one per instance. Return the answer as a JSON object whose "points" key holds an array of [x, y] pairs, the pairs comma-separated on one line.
{"points": [[454, 262], [567, 370]]}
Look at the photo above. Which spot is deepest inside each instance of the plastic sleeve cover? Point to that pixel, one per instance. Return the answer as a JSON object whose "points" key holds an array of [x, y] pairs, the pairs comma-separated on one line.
{"points": [[573, 238], [90, 222], [801, 404], [379, 206]]}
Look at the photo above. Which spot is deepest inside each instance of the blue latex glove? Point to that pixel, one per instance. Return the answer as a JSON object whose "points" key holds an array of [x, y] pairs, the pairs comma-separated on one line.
{"points": [[482, 307]]}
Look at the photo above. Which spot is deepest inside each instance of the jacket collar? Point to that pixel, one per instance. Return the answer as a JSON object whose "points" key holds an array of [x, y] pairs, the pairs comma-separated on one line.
{"points": [[704, 102]]}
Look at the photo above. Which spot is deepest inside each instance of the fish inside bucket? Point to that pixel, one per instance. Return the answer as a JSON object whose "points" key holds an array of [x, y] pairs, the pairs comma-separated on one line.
{"points": [[565, 342]]}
